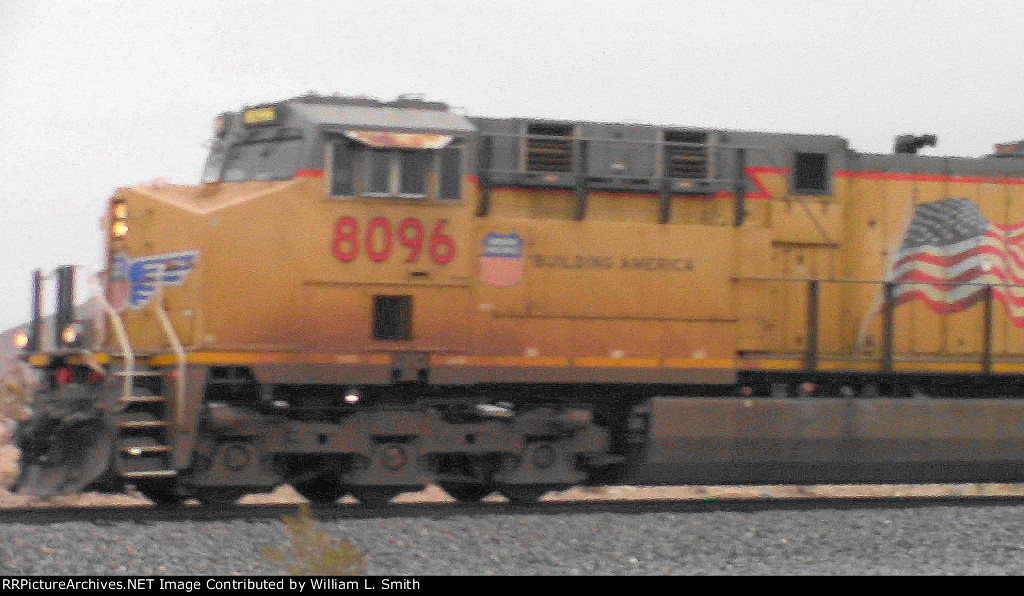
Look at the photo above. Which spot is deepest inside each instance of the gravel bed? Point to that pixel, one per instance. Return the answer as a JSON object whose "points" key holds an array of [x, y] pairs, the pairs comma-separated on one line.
{"points": [[930, 540]]}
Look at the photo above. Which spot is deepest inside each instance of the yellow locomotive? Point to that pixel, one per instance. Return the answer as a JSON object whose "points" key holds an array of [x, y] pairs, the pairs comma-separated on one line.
{"points": [[364, 297]]}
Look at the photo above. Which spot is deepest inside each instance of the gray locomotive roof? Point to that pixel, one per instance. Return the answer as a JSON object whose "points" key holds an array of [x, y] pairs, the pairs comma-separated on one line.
{"points": [[633, 140], [586, 128], [344, 117]]}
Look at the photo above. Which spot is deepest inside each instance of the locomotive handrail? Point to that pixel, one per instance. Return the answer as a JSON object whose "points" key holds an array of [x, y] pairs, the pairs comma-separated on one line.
{"points": [[886, 307], [593, 177], [840, 280], [515, 135], [660, 182], [119, 331], [45, 342], [176, 347]]}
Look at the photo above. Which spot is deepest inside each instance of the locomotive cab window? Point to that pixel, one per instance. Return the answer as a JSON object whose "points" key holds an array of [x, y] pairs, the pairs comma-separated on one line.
{"points": [[810, 173], [359, 170], [257, 154]]}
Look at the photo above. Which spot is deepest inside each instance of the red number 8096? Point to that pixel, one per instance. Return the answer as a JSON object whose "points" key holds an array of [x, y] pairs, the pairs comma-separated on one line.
{"points": [[380, 237]]}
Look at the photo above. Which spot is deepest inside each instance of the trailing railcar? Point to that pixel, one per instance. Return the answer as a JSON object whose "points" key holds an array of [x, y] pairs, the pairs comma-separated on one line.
{"points": [[363, 297]]}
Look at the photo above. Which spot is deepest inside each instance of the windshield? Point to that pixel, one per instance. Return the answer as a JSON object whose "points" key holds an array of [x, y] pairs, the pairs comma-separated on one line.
{"points": [[215, 162], [268, 154]]}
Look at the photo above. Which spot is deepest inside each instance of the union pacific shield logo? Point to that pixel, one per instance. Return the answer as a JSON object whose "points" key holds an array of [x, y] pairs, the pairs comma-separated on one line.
{"points": [[501, 262]]}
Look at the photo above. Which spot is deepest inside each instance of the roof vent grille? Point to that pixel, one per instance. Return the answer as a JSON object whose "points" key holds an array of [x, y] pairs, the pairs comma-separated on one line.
{"points": [[686, 154], [549, 147]]}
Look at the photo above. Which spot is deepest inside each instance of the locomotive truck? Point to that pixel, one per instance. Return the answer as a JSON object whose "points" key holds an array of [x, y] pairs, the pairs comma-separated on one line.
{"points": [[363, 297]]}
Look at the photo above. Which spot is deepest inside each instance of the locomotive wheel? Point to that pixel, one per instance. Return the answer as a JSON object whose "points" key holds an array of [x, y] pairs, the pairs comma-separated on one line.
{"points": [[524, 493], [322, 490], [467, 492], [375, 496], [162, 493], [218, 497]]}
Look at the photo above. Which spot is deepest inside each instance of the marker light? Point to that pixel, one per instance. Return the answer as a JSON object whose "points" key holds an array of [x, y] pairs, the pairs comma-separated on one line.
{"points": [[63, 375], [20, 339]]}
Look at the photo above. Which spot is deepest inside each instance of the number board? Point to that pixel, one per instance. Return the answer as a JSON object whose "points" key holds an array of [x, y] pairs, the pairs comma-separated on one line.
{"points": [[261, 116]]}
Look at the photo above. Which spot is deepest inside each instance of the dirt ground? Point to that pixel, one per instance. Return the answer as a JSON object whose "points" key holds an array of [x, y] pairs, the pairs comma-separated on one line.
{"points": [[285, 494]]}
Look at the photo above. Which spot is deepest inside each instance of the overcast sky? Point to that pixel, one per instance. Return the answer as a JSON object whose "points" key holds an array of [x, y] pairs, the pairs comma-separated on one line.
{"points": [[96, 95]]}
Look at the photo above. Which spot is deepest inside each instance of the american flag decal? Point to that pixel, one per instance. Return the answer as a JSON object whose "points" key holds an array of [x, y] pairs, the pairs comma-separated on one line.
{"points": [[952, 252]]}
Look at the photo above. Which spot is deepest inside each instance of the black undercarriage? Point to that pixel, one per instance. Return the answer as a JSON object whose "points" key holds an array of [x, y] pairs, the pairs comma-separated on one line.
{"points": [[374, 442]]}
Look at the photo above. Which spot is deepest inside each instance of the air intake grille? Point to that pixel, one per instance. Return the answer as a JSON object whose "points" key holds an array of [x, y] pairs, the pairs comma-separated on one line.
{"points": [[549, 147], [686, 154]]}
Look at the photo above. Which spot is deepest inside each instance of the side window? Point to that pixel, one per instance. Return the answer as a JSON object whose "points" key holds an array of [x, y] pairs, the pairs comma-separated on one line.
{"points": [[378, 161], [342, 174], [401, 173], [810, 173], [413, 169], [450, 169]]}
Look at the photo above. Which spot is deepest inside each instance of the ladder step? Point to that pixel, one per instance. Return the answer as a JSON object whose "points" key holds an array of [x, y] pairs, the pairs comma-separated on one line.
{"points": [[143, 399], [151, 474], [141, 424], [144, 449]]}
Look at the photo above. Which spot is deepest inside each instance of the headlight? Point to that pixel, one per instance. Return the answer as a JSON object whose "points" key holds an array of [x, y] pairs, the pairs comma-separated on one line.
{"points": [[118, 219], [119, 228], [71, 333], [20, 339]]}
